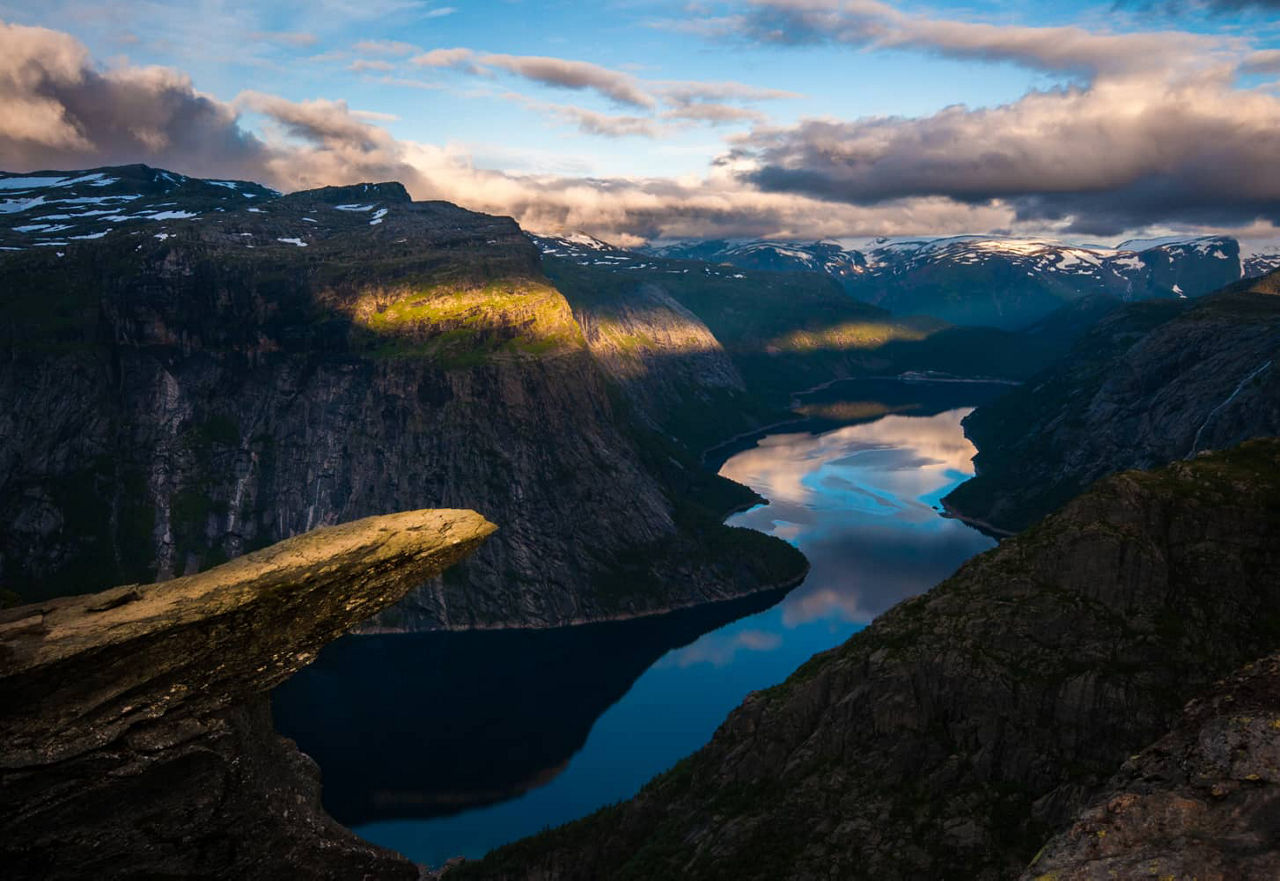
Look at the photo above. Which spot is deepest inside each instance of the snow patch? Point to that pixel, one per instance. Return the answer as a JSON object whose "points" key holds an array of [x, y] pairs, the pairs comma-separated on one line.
{"points": [[13, 206], [29, 183]]}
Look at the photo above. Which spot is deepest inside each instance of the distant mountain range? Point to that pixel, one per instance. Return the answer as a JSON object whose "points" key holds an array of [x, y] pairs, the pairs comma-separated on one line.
{"points": [[975, 280], [1003, 282]]}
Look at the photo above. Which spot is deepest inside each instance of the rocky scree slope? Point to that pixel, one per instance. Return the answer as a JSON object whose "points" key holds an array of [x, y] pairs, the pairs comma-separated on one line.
{"points": [[176, 391], [1002, 282], [953, 736], [137, 736], [1148, 384]]}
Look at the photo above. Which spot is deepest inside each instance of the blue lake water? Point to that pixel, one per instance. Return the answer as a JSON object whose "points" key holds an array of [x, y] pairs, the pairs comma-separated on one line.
{"points": [[449, 744]]}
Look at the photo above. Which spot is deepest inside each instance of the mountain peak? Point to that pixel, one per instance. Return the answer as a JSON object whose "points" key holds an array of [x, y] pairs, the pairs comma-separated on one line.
{"points": [[385, 191]]}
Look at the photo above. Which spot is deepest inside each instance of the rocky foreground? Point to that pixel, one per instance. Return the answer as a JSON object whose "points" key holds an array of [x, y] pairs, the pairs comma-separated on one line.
{"points": [[137, 740], [962, 730], [1202, 802]]}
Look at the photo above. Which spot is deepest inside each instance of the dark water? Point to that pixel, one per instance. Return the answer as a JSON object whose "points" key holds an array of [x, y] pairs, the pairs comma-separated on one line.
{"points": [[447, 744]]}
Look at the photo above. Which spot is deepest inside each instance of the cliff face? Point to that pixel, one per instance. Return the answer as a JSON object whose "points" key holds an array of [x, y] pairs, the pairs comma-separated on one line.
{"points": [[951, 737], [137, 738], [658, 351], [178, 391], [1149, 384]]}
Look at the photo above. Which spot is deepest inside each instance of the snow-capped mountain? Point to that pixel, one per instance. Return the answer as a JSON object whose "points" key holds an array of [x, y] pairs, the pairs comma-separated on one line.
{"points": [[986, 280], [830, 258], [990, 280], [66, 211], [50, 209], [1260, 258], [587, 250]]}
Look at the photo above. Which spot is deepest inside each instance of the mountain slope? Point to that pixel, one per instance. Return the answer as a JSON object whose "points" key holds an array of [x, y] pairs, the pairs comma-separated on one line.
{"points": [[177, 392], [1149, 384], [750, 338], [952, 736]]}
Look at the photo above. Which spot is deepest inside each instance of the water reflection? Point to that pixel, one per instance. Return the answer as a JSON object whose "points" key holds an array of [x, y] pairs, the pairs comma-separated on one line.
{"points": [[426, 725], [860, 501], [441, 745]]}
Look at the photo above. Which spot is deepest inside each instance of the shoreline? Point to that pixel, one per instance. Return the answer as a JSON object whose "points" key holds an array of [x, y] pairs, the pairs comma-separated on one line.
{"points": [[988, 529], [784, 586]]}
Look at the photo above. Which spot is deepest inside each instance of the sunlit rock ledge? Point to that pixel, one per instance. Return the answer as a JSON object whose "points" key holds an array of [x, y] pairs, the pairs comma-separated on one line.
{"points": [[136, 734]]}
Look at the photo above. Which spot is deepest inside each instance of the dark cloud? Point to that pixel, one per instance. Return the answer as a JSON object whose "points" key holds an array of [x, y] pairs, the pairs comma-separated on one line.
{"points": [[1107, 157]]}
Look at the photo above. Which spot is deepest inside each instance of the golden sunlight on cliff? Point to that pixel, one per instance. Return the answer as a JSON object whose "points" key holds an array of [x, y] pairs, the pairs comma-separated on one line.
{"points": [[850, 335], [504, 319]]}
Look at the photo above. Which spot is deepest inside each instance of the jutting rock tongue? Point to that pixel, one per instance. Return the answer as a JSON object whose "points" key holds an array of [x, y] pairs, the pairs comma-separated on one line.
{"points": [[135, 727]]}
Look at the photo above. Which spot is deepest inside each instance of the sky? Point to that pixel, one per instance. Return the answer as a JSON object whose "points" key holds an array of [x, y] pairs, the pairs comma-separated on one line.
{"points": [[658, 119]]}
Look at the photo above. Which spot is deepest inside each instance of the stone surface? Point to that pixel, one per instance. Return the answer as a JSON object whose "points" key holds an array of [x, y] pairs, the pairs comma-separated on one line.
{"points": [[137, 737], [1202, 803]]}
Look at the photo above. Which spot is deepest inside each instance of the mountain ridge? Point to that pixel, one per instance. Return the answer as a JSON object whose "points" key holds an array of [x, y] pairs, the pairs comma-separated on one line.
{"points": [[1149, 383], [989, 280]]}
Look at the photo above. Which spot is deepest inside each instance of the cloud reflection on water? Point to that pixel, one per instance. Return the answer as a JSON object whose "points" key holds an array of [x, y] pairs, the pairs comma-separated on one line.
{"points": [[860, 502], [719, 648]]}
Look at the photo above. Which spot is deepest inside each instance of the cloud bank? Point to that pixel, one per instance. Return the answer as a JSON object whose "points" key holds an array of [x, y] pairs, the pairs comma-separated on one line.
{"points": [[1141, 140]]}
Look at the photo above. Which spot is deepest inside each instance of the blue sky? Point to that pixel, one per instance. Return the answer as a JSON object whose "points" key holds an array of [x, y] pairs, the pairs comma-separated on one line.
{"points": [[813, 79]]}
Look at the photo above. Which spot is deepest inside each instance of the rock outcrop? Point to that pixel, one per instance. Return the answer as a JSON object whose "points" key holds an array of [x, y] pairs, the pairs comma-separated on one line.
{"points": [[1203, 802], [953, 736], [210, 377], [1149, 384], [137, 737]]}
